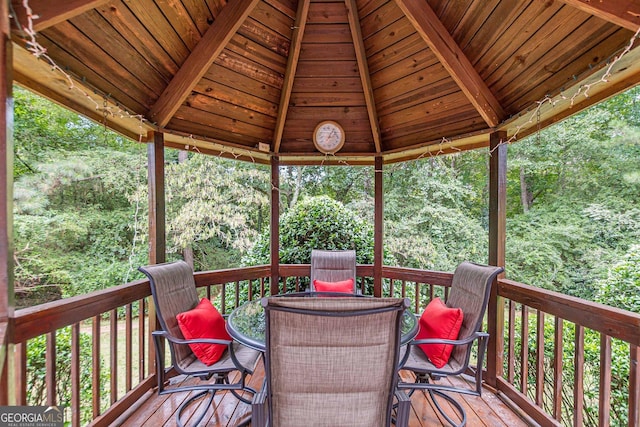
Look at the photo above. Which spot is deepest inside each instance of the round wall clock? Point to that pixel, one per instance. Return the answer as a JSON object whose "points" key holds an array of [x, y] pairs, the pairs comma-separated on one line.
{"points": [[328, 136]]}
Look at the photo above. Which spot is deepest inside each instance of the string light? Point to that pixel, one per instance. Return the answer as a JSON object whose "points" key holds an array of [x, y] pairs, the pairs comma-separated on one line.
{"points": [[582, 90], [40, 52]]}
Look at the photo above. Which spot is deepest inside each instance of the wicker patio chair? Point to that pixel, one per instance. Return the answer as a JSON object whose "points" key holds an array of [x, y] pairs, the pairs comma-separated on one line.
{"points": [[470, 291], [174, 292], [333, 266], [331, 362]]}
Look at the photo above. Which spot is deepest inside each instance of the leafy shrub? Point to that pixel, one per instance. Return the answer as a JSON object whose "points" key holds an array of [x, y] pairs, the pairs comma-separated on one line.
{"points": [[316, 223]]}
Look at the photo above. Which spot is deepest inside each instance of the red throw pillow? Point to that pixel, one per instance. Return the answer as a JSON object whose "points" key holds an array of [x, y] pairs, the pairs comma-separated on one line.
{"points": [[344, 286], [439, 321], [204, 321]]}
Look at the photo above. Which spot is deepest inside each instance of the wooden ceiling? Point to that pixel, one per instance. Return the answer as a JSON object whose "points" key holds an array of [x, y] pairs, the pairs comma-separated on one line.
{"points": [[252, 78]]}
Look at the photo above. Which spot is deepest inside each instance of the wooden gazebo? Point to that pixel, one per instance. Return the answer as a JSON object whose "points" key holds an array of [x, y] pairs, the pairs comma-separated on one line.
{"points": [[252, 80]]}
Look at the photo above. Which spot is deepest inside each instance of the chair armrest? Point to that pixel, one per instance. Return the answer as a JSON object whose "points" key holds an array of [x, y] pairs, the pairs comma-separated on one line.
{"points": [[469, 339], [175, 340]]}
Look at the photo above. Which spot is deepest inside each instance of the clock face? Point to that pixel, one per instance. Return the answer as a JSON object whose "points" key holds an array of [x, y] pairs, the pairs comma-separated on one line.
{"points": [[328, 137]]}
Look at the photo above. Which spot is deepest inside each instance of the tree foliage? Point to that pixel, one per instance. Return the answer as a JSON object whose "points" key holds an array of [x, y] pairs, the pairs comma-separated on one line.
{"points": [[215, 203], [433, 219], [317, 223]]}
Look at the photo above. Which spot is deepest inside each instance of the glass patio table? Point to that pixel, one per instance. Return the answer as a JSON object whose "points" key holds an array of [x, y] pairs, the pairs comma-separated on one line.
{"points": [[246, 324]]}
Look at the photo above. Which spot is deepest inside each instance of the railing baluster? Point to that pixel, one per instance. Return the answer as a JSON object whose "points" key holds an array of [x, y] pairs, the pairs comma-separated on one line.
{"points": [[50, 366], [223, 298], [511, 351], [75, 374], [113, 344], [20, 367], [237, 294], [540, 359], [578, 379], [128, 348], [95, 379], [558, 351], [605, 380], [634, 386], [524, 350], [141, 339], [417, 298]]}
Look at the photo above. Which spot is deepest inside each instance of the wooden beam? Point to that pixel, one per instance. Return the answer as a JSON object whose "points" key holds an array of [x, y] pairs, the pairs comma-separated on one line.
{"points": [[497, 248], [624, 13], [363, 69], [197, 64], [434, 33], [47, 13], [290, 72]]}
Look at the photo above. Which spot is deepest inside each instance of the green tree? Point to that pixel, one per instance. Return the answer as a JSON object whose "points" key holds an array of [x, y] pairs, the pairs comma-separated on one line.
{"points": [[433, 219], [217, 207]]}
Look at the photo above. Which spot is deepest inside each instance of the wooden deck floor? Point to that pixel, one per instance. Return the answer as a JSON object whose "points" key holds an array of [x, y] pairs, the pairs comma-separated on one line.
{"points": [[157, 411]]}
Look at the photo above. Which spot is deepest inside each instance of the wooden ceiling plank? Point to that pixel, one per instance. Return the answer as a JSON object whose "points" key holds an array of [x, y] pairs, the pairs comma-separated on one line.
{"points": [[47, 13], [196, 65], [453, 59], [625, 13], [363, 68], [290, 73]]}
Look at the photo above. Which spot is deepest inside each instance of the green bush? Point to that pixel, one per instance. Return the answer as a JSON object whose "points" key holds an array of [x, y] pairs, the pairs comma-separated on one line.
{"points": [[314, 223]]}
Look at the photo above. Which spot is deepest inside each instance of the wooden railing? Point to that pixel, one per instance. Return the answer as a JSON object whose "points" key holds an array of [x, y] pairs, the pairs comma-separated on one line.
{"points": [[562, 372], [118, 358]]}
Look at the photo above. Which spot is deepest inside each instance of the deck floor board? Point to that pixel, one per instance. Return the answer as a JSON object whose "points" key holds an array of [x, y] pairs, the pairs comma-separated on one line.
{"points": [[227, 411]]}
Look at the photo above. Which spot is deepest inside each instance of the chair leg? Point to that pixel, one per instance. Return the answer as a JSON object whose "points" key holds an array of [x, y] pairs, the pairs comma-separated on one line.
{"points": [[402, 409], [259, 408], [456, 405], [189, 401], [245, 388]]}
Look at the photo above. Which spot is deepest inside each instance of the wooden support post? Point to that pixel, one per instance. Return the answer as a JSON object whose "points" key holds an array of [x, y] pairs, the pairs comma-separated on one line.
{"points": [[378, 228], [275, 225], [497, 241], [6, 194], [157, 226]]}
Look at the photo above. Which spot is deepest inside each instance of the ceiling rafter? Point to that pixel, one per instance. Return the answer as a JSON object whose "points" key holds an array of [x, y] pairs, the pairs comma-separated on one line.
{"points": [[620, 12], [290, 72], [231, 17], [453, 59], [363, 69], [47, 13]]}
